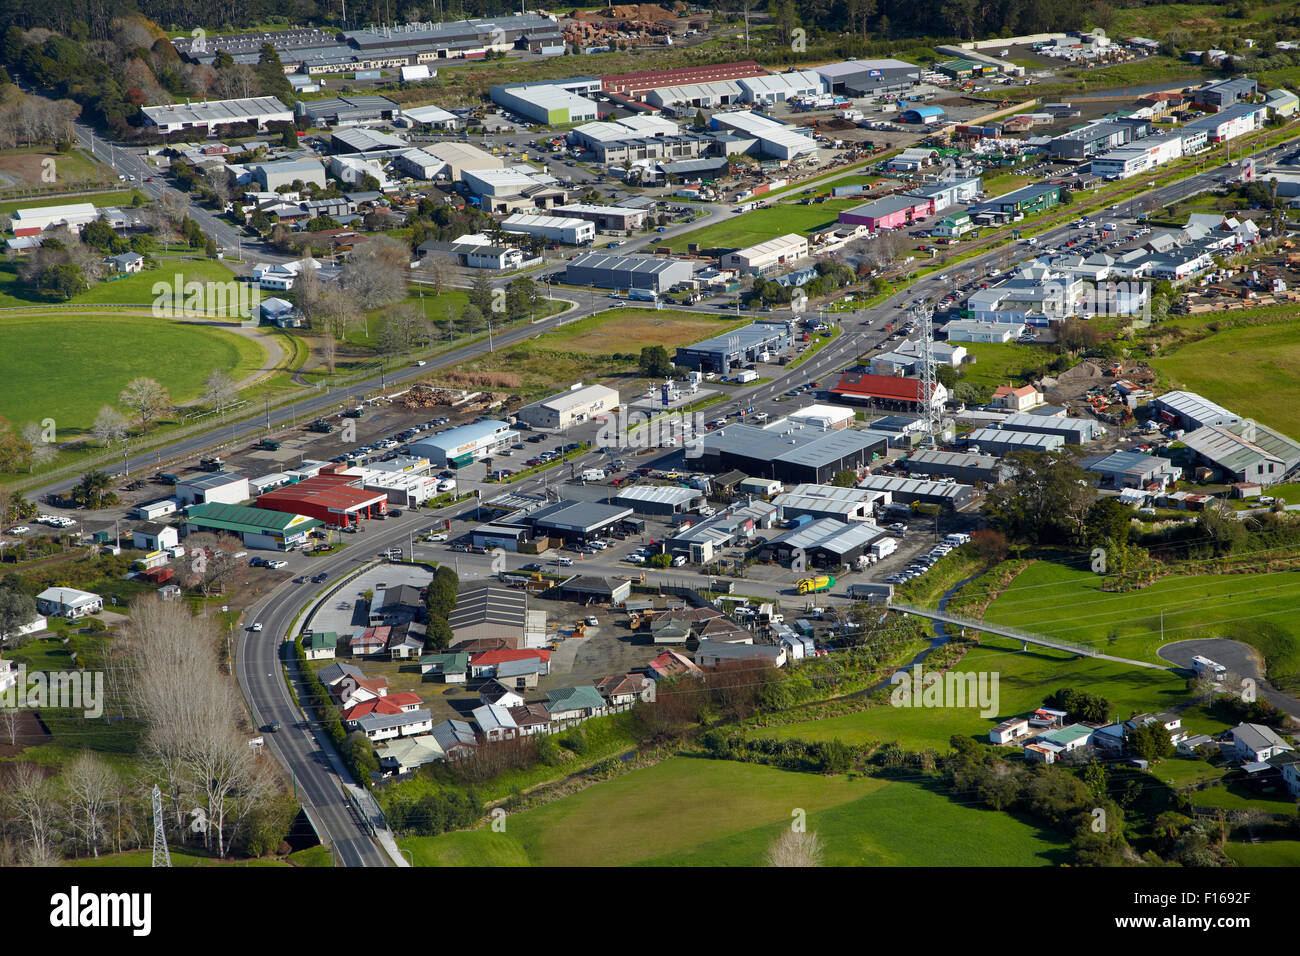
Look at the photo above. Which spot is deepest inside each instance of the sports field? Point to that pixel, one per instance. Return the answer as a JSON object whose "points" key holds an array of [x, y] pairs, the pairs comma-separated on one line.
{"points": [[1067, 602], [135, 289], [1254, 370], [98, 354], [688, 812], [763, 224], [1025, 677]]}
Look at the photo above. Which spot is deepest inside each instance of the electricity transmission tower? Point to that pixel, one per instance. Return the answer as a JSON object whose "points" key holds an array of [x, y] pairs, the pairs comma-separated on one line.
{"points": [[924, 314], [160, 855]]}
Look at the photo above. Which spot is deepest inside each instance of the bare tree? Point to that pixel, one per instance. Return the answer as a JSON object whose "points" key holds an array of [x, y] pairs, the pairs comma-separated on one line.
{"points": [[376, 272], [339, 313], [308, 292], [43, 452], [10, 721], [211, 560], [219, 390], [110, 426], [793, 848], [146, 398], [92, 793], [30, 798]]}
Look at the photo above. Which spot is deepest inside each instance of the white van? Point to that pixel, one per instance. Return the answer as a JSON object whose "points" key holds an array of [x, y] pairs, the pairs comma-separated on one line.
{"points": [[593, 474], [679, 561]]}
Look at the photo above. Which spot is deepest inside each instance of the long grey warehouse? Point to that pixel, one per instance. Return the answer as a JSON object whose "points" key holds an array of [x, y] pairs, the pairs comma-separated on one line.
{"points": [[656, 273], [1003, 441], [1075, 431], [958, 465], [793, 455], [907, 490]]}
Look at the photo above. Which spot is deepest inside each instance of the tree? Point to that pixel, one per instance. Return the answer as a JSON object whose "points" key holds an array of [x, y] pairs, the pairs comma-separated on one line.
{"points": [[219, 390], [94, 490], [848, 478], [480, 293], [146, 398], [1109, 520], [42, 451], [376, 272], [1151, 741], [14, 451], [16, 609], [110, 426], [439, 634], [92, 787], [655, 362], [210, 561], [1045, 501], [62, 282], [521, 298]]}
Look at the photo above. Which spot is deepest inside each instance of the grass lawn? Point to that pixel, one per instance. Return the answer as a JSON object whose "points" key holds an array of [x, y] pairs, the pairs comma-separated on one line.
{"points": [[1236, 796], [135, 289], [716, 813], [25, 169], [1181, 772], [763, 224], [1024, 679], [1065, 602], [1267, 853], [996, 363], [98, 354], [116, 197], [179, 857], [1254, 369]]}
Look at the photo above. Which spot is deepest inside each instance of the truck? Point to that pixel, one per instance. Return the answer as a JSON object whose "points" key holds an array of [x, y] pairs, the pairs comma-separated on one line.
{"points": [[820, 582], [643, 295], [211, 464], [593, 474]]}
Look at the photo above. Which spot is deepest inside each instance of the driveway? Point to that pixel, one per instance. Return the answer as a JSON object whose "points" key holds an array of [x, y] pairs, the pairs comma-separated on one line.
{"points": [[1240, 659]]}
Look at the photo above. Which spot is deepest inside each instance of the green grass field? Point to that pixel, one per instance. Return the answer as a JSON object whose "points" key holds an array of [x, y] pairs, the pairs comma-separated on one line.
{"points": [[997, 363], [1024, 679], [763, 224], [1236, 796], [98, 354], [1267, 853], [1065, 602], [135, 289], [179, 857], [687, 812], [1253, 369], [117, 197]]}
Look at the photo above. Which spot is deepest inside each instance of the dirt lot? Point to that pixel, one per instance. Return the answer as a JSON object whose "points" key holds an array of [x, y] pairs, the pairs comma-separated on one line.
{"points": [[30, 733]]}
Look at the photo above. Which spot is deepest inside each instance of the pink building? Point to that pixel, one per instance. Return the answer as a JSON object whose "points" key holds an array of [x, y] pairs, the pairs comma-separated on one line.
{"points": [[891, 212]]}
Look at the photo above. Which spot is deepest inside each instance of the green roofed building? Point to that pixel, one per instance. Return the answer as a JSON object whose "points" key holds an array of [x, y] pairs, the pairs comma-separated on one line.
{"points": [[256, 527], [451, 667], [320, 645]]}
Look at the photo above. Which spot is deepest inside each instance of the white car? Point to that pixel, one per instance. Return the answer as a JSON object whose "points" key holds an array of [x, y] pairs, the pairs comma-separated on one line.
{"points": [[276, 565], [256, 627], [20, 529], [439, 536]]}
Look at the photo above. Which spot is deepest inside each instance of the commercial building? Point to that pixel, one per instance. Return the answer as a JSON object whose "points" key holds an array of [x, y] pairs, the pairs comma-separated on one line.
{"points": [[907, 491], [1282, 103], [619, 218], [891, 212], [209, 115], [1225, 92], [641, 82], [868, 77], [218, 487], [775, 139], [682, 99], [1075, 431], [577, 519], [1188, 411], [1140, 156], [826, 542], [1091, 140], [489, 611], [961, 466], [659, 500], [32, 222], [358, 140], [828, 501], [579, 404], [433, 116], [255, 527], [923, 115], [1133, 469], [1245, 451], [890, 391], [571, 232], [947, 193], [456, 158], [1231, 122], [765, 257], [464, 444], [545, 103], [335, 499], [1003, 441], [825, 417], [656, 273], [1024, 201], [792, 455], [285, 172], [779, 87], [749, 344]]}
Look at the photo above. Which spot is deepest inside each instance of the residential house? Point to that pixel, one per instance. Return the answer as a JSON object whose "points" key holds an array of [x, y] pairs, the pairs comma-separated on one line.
{"points": [[572, 704], [1017, 398], [672, 664], [320, 645], [495, 692], [450, 667], [1252, 743], [531, 719], [1009, 730], [406, 754], [456, 738], [367, 641], [402, 703], [624, 690], [494, 722]]}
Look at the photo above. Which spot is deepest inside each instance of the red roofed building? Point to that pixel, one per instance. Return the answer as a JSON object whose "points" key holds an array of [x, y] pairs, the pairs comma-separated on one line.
{"points": [[671, 664], [643, 81], [368, 640], [352, 691], [486, 664], [1017, 399], [887, 390], [384, 706], [335, 499]]}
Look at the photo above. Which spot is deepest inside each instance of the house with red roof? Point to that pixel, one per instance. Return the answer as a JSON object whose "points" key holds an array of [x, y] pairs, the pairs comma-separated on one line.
{"points": [[368, 640], [624, 690], [388, 706], [891, 391], [351, 691], [486, 664], [1017, 399], [672, 664]]}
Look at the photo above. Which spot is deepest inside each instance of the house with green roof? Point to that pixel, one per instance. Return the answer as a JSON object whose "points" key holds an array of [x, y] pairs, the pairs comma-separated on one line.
{"points": [[257, 527], [450, 668], [571, 704], [320, 645]]}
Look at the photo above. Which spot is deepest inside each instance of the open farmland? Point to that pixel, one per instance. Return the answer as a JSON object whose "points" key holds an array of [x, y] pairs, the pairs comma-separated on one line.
{"points": [[721, 813]]}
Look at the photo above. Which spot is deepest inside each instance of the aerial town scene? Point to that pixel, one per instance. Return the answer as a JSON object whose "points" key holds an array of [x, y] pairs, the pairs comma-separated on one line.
{"points": [[815, 433]]}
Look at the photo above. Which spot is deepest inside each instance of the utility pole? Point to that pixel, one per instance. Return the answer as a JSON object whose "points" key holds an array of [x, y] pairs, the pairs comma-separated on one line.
{"points": [[161, 856]]}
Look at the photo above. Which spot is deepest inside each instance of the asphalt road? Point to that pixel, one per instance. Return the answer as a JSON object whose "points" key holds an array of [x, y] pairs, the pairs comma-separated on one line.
{"points": [[1240, 659]]}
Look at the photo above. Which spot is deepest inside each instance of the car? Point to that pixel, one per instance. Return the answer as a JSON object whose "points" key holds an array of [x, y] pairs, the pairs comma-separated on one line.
{"points": [[256, 627], [435, 536], [395, 512], [591, 620], [256, 562], [277, 564], [319, 578], [462, 548], [564, 562], [273, 726]]}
